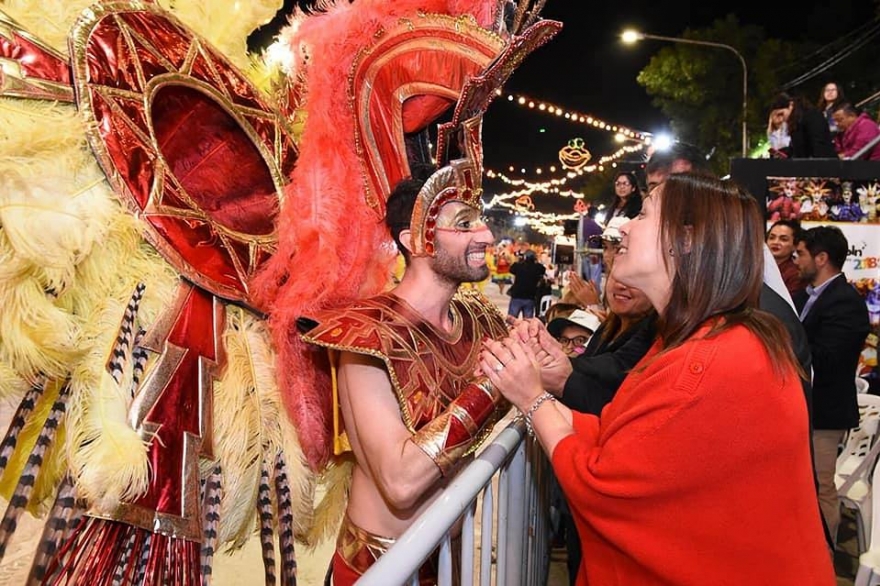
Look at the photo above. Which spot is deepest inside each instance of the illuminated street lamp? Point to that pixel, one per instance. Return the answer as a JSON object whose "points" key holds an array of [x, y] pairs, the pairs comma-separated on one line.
{"points": [[632, 36]]}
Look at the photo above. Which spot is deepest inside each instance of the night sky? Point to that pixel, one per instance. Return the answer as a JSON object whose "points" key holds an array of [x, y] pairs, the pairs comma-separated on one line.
{"points": [[588, 69]]}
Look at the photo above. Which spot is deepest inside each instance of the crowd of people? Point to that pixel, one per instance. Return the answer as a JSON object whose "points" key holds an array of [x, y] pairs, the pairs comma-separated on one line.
{"points": [[690, 384], [710, 366], [693, 363], [834, 128]]}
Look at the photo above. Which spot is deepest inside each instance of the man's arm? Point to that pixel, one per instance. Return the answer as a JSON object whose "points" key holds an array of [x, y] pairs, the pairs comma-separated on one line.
{"points": [[381, 442], [862, 135], [404, 465]]}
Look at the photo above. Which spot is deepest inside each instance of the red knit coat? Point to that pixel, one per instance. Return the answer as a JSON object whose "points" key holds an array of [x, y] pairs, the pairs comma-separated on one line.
{"points": [[699, 472]]}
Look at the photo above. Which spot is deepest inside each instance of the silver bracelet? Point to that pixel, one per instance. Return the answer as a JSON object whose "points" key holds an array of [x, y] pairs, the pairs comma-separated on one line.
{"points": [[535, 406]]}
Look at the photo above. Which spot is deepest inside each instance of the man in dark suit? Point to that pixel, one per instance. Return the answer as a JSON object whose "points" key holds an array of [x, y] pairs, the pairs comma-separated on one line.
{"points": [[835, 318]]}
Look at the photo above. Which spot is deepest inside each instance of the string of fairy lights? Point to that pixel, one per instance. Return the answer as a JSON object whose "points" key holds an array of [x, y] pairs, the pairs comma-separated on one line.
{"points": [[577, 117], [519, 199]]}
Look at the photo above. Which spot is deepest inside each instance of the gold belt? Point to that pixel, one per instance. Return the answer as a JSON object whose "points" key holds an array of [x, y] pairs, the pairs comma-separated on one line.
{"points": [[359, 548]]}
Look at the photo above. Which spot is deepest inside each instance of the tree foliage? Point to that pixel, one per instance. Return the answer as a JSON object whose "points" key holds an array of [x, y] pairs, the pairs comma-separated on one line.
{"points": [[700, 88]]}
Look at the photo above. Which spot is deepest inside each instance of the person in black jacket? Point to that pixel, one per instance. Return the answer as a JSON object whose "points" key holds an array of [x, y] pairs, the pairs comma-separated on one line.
{"points": [[835, 319], [807, 127], [619, 343], [588, 382], [527, 276]]}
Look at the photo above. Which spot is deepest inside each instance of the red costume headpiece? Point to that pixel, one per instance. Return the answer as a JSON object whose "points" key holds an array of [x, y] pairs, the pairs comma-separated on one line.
{"points": [[405, 64]]}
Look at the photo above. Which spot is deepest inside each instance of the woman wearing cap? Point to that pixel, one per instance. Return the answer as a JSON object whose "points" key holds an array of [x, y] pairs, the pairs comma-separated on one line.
{"points": [[585, 293], [574, 331], [677, 483]]}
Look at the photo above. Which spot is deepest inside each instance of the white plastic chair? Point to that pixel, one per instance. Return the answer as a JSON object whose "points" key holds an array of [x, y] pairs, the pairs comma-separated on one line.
{"points": [[544, 304], [855, 466], [869, 562]]}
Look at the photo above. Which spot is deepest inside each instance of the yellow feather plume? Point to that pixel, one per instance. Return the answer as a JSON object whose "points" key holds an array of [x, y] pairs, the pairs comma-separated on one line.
{"points": [[250, 424], [112, 270], [334, 484], [225, 24], [238, 441], [52, 228], [32, 127], [107, 456], [12, 387], [49, 20], [301, 477], [36, 337]]}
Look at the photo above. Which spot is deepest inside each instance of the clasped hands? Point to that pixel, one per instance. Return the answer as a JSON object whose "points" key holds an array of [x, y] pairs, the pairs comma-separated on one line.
{"points": [[525, 363]]}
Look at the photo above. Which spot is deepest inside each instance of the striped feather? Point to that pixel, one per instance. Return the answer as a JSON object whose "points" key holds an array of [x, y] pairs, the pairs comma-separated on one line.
{"points": [[17, 424], [139, 357], [21, 497], [108, 457], [122, 346], [123, 566], [285, 523], [62, 518], [267, 533], [211, 508], [143, 560]]}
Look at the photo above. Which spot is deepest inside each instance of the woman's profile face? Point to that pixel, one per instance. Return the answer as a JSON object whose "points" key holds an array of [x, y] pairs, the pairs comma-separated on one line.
{"points": [[640, 261]]}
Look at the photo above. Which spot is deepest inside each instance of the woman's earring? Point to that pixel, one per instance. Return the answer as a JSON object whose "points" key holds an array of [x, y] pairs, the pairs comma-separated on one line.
{"points": [[671, 252]]}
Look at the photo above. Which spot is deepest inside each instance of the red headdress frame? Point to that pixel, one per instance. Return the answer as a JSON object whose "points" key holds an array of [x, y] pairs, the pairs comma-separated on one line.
{"points": [[460, 179], [402, 65]]}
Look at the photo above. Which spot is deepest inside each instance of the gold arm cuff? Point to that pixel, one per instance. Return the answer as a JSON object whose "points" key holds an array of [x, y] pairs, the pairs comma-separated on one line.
{"points": [[451, 434]]}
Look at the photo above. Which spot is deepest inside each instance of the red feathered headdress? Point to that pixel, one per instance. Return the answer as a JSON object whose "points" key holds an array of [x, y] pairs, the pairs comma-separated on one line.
{"points": [[370, 76]]}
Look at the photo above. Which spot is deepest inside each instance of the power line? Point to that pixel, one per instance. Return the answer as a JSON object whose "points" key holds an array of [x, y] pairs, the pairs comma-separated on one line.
{"points": [[832, 46], [836, 58]]}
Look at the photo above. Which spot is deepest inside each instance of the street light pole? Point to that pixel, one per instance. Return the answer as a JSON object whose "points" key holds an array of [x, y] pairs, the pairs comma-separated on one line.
{"points": [[633, 36]]}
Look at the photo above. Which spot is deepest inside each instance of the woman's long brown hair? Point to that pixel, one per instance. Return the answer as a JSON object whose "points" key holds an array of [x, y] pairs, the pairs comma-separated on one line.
{"points": [[713, 234]]}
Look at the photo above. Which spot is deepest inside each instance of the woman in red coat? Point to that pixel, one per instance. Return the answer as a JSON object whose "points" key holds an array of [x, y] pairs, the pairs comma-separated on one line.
{"points": [[699, 470]]}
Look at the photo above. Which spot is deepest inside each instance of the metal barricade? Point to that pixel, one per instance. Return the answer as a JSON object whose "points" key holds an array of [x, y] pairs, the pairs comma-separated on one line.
{"points": [[511, 471]]}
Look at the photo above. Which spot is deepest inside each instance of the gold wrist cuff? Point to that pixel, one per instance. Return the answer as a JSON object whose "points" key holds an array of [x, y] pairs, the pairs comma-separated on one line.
{"points": [[452, 433]]}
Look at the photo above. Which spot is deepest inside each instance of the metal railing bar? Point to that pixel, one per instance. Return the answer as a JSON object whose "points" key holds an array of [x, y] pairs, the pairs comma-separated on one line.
{"points": [[503, 513], [516, 522], [467, 545], [444, 574], [421, 538], [486, 536]]}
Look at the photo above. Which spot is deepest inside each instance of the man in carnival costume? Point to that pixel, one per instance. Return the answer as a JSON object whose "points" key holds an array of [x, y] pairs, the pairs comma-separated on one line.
{"points": [[159, 199], [409, 402], [411, 405]]}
